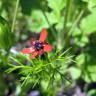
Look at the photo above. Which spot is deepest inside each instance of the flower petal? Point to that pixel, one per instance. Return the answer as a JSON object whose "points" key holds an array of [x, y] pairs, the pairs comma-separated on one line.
{"points": [[34, 54], [41, 52], [43, 35], [47, 48], [32, 41], [28, 50]]}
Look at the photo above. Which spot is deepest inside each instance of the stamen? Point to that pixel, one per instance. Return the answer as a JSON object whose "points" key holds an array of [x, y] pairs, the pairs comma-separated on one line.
{"points": [[38, 45]]}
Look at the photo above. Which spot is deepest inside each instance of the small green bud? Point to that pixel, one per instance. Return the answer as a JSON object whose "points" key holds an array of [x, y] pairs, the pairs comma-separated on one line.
{"points": [[6, 36]]}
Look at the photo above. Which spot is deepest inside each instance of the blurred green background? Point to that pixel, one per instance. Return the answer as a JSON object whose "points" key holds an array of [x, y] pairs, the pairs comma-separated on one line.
{"points": [[70, 24]]}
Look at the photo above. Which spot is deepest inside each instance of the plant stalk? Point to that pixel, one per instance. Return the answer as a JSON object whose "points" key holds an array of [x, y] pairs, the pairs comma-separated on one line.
{"points": [[52, 30], [67, 13], [76, 22], [15, 14]]}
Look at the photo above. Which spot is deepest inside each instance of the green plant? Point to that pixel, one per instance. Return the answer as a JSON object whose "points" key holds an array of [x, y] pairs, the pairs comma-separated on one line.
{"points": [[5, 35], [69, 23], [47, 69]]}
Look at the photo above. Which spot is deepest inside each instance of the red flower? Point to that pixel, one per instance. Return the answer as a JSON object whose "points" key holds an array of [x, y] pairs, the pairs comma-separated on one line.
{"points": [[38, 46]]}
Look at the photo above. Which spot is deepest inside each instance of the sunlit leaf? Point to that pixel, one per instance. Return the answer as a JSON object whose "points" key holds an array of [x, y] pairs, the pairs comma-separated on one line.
{"points": [[88, 24], [37, 21]]}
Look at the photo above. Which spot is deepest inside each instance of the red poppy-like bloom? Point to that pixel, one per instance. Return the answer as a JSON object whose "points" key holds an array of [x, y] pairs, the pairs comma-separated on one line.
{"points": [[38, 47]]}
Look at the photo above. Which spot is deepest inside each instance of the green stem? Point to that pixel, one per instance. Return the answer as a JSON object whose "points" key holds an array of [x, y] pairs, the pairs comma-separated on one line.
{"points": [[72, 28], [52, 30], [67, 13], [64, 76], [66, 20], [75, 22], [59, 40], [15, 14]]}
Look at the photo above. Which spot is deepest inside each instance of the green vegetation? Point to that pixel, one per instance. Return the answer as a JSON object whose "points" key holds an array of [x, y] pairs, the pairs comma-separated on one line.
{"points": [[71, 26]]}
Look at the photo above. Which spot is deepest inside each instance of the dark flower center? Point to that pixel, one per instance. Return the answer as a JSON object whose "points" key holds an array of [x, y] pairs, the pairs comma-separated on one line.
{"points": [[38, 45]]}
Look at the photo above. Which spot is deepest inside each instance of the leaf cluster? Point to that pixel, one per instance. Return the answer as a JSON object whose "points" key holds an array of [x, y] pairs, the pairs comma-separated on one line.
{"points": [[48, 68]]}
